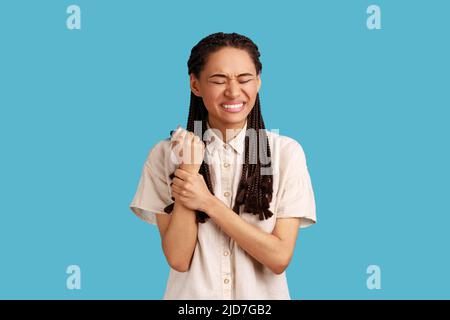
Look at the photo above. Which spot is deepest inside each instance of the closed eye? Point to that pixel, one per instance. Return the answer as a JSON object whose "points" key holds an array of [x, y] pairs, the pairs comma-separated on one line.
{"points": [[245, 81]]}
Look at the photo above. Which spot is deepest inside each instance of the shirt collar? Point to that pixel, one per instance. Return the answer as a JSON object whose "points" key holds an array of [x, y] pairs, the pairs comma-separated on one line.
{"points": [[214, 142]]}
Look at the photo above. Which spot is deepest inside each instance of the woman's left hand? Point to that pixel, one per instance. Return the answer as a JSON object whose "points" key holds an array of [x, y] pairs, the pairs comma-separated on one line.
{"points": [[191, 190]]}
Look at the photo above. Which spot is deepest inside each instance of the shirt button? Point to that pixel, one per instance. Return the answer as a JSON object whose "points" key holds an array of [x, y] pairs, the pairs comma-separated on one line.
{"points": [[226, 281], [226, 165], [225, 146], [225, 253], [226, 194]]}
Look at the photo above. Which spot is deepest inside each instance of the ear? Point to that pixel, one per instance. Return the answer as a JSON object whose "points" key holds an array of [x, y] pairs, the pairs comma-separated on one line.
{"points": [[195, 85]]}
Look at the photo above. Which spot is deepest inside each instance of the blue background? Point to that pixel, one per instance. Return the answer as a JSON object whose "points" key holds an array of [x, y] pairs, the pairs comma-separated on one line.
{"points": [[80, 109]]}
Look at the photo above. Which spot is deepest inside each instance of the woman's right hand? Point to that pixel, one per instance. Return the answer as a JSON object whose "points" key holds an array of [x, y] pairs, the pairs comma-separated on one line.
{"points": [[188, 149]]}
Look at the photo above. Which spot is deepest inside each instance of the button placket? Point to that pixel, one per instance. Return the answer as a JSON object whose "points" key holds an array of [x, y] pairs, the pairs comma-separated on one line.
{"points": [[226, 169], [226, 175], [226, 269]]}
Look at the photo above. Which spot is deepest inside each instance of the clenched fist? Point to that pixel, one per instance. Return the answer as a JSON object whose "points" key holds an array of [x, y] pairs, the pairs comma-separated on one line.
{"points": [[188, 150]]}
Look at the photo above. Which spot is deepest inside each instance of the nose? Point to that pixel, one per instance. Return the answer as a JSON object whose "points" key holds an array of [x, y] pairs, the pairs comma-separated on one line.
{"points": [[233, 89]]}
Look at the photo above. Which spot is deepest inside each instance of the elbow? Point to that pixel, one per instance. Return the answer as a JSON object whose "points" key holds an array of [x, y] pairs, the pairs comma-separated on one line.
{"points": [[281, 265], [279, 268], [180, 266], [175, 261]]}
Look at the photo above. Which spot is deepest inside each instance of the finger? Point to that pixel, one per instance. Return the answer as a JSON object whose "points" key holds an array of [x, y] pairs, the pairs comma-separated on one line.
{"points": [[177, 182], [182, 174], [176, 133], [181, 140], [187, 145], [196, 139], [188, 138], [198, 153], [179, 191], [181, 134], [174, 143], [175, 194]]}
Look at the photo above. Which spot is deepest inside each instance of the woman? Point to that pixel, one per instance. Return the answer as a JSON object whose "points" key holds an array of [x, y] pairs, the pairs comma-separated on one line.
{"points": [[229, 222]]}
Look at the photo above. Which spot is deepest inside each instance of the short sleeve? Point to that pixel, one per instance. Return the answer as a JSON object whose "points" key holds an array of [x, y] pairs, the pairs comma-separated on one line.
{"points": [[153, 191], [295, 196]]}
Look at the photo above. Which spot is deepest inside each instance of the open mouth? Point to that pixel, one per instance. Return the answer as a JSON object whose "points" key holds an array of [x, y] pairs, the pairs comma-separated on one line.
{"points": [[233, 107]]}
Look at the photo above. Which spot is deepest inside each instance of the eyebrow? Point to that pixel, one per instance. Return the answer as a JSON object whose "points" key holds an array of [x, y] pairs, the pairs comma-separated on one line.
{"points": [[224, 76]]}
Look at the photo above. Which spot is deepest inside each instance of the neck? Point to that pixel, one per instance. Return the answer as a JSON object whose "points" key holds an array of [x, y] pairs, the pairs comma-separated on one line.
{"points": [[234, 129]]}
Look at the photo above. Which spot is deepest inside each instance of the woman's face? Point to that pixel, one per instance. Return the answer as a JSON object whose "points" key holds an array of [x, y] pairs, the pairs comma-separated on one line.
{"points": [[228, 85]]}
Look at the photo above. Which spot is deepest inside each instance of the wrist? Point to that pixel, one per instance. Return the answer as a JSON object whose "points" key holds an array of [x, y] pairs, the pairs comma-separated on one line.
{"points": [[212, 203], [191, 168]]}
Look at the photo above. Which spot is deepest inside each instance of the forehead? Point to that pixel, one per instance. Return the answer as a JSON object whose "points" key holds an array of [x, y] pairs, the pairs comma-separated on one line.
{"points": [[231, 61]]}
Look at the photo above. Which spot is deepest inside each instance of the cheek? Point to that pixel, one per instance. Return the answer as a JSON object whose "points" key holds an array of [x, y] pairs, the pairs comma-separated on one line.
{"points": [[211, 96], [251, 93], [251, 89]]}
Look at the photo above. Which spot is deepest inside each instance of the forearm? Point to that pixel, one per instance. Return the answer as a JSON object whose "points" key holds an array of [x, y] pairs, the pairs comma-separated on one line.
{"points": [[264, 247], [180, 238]]}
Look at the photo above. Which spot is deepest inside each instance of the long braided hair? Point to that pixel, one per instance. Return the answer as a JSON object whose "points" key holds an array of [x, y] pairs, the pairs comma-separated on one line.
{"points": [[254, 190]]}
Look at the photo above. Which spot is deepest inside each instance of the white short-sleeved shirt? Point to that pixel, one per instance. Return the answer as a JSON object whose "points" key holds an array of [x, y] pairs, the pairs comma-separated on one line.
{"points": [[220, 269]]}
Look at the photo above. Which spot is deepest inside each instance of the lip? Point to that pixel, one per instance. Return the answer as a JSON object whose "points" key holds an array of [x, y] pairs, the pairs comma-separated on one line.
{"points": [[234, 110]]}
